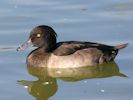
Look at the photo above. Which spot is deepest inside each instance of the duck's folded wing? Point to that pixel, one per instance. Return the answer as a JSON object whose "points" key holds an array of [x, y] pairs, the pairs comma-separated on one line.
{"points": [[70, 47]]}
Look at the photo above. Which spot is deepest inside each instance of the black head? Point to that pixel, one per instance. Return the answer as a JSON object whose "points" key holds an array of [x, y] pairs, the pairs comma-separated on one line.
{"points": [[41, 36]]}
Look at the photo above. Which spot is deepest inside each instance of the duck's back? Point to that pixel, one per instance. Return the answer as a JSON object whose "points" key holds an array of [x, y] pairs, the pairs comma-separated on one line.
{"points": [[69, 47]]}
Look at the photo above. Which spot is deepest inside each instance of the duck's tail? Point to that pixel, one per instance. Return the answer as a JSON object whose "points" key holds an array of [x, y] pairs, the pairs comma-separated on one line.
{"points": [[118, 47]]}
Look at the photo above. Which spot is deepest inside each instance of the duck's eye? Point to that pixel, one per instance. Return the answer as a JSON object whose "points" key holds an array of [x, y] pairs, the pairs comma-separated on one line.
{"points": [[38, 35]]}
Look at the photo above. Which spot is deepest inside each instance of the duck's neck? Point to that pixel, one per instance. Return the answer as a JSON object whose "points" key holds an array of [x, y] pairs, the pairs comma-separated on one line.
{"points": [[49, 45]]}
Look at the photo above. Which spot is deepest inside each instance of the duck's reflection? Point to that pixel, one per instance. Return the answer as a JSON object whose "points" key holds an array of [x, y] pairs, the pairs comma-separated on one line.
{"points": [[43, 88], [46, 85], [89, 72]]}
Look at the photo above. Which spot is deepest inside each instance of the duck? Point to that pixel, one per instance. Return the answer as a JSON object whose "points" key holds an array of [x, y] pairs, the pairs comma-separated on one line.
{"points": [[65, 54]]}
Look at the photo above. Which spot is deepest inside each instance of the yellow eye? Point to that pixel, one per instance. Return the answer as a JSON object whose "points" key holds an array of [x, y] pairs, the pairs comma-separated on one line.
{"points": [[38, 35]]}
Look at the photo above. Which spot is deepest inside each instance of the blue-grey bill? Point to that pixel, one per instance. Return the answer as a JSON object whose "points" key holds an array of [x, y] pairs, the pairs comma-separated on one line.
{"points": [[25, 45]]}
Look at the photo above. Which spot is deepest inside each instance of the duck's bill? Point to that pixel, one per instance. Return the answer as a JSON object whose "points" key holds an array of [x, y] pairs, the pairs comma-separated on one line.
{"points": [[25, 45]]}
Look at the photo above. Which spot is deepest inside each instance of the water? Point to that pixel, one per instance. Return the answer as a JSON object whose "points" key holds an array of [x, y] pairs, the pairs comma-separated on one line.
{"points": [[102, 21]]}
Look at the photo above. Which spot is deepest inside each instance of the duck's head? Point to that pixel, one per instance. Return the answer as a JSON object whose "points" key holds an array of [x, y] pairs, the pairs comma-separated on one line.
{"points": [[41, 36]]}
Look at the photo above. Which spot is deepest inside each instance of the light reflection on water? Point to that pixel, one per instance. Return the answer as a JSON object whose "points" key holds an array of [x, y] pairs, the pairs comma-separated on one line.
{"points": [[102, 21]]}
